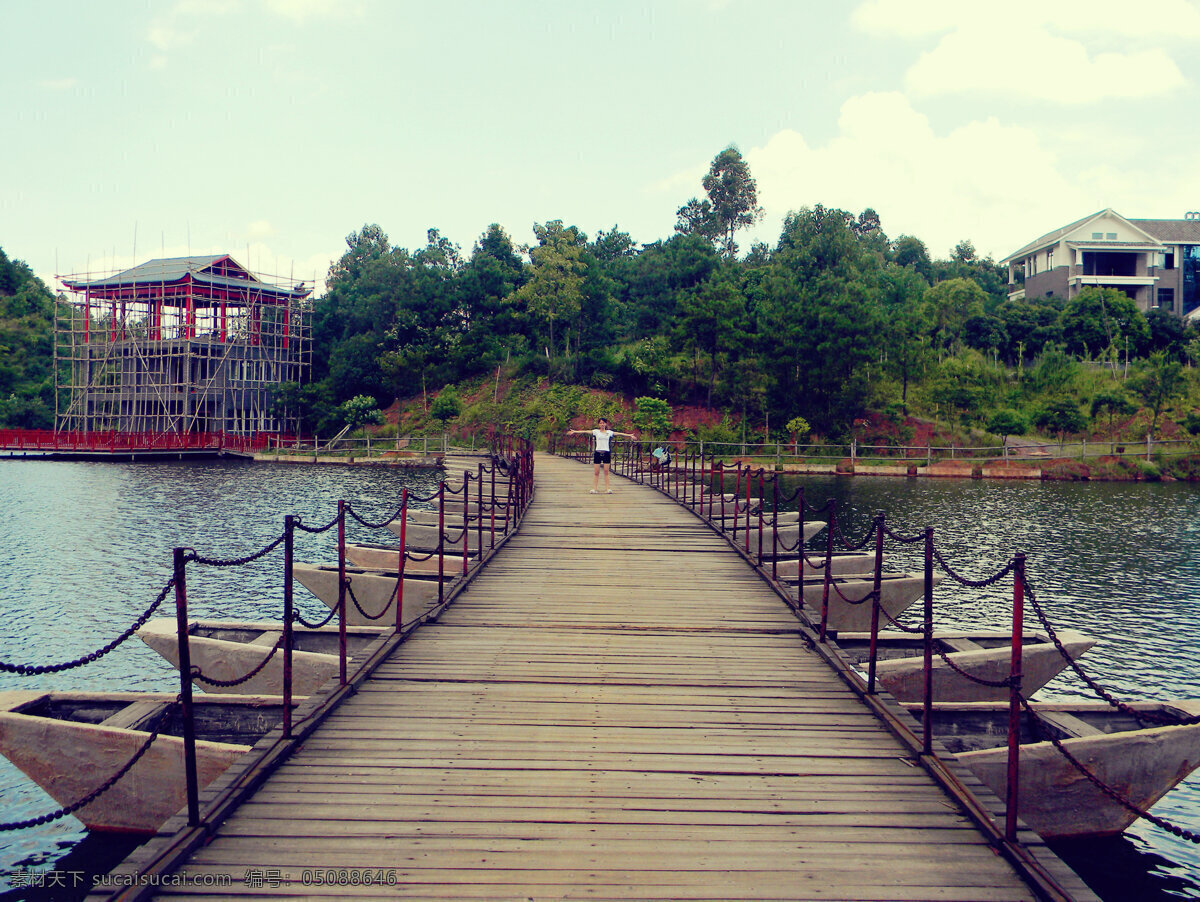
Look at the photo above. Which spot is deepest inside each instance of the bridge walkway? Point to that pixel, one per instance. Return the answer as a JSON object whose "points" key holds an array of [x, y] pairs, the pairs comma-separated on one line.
{"points": [[617, 708]]}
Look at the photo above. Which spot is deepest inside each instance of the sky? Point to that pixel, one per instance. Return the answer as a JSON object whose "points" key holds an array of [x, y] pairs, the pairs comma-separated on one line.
{"points": [[272, 129]]}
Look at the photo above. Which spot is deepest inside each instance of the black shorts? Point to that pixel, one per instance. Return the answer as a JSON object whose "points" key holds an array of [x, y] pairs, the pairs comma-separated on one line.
{"points": [[601, 457]]}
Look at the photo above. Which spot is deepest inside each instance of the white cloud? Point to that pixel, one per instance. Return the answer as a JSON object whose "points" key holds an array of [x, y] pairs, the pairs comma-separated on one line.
{"points": [[1034, 49], [981, 60], [1174, 19], [300, 11], [260, 229], [993, 184]]}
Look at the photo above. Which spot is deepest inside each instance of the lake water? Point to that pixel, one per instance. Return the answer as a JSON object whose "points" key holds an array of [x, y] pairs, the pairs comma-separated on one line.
{"points": [[85, 548]]}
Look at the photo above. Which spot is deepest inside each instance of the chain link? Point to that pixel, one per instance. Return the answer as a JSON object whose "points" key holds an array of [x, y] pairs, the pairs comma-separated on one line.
{"points": [[1142, 717], [198, 674], [314, 529], [354, 598], [236, 562], [299, 618], [972, 583]]}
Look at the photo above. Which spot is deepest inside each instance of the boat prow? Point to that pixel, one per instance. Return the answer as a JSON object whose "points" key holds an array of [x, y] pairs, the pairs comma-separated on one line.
{"points": [[371, 594], [228, 650], [983, 655], [70, 743], [1141, 763]]}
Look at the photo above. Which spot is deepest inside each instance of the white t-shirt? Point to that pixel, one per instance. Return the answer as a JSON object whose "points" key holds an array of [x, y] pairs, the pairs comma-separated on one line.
{"points": [[603, 439]]}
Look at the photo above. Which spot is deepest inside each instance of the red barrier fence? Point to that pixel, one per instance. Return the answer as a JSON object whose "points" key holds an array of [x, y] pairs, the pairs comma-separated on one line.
{"points": [[48, 440]]}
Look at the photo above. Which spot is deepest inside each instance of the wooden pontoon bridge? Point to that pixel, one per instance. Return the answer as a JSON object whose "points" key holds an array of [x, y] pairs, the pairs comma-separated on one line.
{"points": [[617, 707]]}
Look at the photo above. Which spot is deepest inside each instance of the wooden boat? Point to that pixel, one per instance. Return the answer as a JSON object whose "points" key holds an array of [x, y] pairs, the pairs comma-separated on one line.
{"points": [[897, 593], [227, 650], [375, 591], [1142, 763], [424, 537], [900, 663], [850, 563], [453, 519], [785, 535], [368, 556], [70, 743]]}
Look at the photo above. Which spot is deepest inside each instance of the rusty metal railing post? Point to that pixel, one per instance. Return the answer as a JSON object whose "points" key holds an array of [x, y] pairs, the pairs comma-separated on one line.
{"points": [[876, 598], [289, 614], [927, 720], [749, 473], [1012, 800], [762, 497], [467, 518], [441, 548], [185, 688], [479, 529], [403, 558], [492, 512], [341, 599]]}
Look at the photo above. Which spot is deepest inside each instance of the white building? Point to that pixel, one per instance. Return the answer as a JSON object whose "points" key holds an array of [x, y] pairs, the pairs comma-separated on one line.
{"points": [[1154, 261]]}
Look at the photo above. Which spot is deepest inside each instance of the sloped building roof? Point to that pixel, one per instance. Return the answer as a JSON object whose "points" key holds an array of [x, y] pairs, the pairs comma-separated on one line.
{"points": [[217, 277]]}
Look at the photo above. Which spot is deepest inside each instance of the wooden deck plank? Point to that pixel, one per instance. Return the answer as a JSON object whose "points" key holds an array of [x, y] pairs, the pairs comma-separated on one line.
{"points": [[616, 708]]}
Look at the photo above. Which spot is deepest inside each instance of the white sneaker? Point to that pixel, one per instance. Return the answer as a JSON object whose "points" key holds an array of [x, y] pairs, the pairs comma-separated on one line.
{"points": [[593, 492]]}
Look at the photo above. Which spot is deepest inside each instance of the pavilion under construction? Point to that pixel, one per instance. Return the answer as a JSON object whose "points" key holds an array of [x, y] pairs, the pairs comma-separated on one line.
{"points": [[182, 346]]}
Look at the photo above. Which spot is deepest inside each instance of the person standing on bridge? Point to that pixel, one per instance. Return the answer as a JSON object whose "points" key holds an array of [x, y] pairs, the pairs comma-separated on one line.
{"points": [[602, 456]]}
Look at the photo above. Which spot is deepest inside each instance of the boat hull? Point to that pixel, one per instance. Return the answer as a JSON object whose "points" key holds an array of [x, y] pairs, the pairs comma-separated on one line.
{"points": [[786, 535], [897, 593], [1059, 802], [375, 591], [70, 760], [229, 650], [854, 563], [900, 668], [385, 557], [424, 537]]}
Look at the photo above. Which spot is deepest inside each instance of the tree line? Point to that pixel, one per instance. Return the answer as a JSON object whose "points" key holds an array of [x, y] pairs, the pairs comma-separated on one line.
{"points": [[834, 323]]}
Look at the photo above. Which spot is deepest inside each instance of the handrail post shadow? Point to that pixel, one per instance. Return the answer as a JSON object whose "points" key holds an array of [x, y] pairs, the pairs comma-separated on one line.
{"points": [[341, 602], [927, 720], [289, 542], [1012, 800], [185, 688], [875, 600]]}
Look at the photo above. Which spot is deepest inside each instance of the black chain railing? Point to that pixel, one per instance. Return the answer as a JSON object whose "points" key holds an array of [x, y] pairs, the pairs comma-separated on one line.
{"points": [[198, 674], [90, 657]]}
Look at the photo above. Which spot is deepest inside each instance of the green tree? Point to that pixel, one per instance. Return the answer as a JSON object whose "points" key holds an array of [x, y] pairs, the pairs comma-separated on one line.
{"points": [[1161, 381], [732, 202], [554, 292], [1060, 416], [360, 411], [1007, 422], [446, 406], [1101, 318], [712, 319], [652, 417], [1114, 404], [951, 304]]}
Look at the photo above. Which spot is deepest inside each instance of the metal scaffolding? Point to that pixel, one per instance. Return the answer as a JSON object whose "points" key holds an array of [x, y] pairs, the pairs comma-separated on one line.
{"points": [[181, 345]]}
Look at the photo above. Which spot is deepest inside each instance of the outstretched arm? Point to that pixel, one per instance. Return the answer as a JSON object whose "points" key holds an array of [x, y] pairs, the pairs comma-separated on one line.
{"points": [[625, 434]]}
